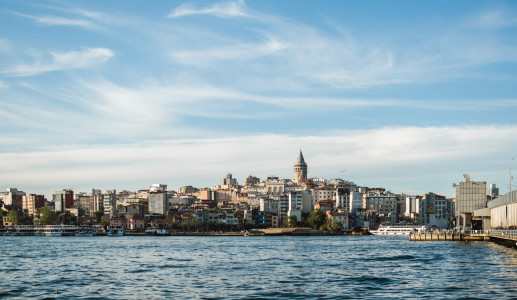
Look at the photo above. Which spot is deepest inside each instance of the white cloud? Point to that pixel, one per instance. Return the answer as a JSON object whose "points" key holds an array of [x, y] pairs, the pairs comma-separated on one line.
{"points": [[59, 21], [60, 61], [389, 157], [222, 10], [240, 52], [3, 85]]}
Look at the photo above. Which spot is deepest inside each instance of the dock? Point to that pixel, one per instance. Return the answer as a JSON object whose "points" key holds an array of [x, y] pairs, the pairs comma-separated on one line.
{"points": [[501, 237], [436, 237]]}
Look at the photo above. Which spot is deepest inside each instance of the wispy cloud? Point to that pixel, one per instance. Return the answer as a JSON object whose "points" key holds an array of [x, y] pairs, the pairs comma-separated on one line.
{"points": [[59, 21], [60, 61], [241, 52], [222, 10], [3, 85], [492, 19]]}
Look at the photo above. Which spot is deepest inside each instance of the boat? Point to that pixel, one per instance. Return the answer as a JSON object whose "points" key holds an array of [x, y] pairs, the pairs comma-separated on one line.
{"points": [[163, 232], [151, 231], [85, 231], [115, 231], [55, 230], [398, 230]]}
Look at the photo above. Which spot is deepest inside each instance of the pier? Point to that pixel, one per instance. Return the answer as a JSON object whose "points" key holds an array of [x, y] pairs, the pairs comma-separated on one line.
{"points": [[436, 237], [502, 237]]}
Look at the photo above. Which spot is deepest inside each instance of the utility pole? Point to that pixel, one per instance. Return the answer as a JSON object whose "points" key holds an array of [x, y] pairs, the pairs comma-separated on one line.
{"points": [[511, 174]]}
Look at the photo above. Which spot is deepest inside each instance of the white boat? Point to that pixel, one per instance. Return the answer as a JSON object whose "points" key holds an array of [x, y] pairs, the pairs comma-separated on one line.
{"points": [[398, 230], [55, 230], [115, 231]]}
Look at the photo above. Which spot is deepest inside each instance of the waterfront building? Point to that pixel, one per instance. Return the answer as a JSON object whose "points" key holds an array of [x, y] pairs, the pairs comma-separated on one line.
{"points": [[341, 217], [63, 199], [300, 169], [109, 202], [384, 203], [436, 212], [158, 203], [269, 205], [12, 197], [300, 200], [323, 193], [503, 211], [128, 223], [415, 208], [325, 205], [31, 202], [470, 195], [342, 198], [82, 201], [356, 202], [96, 202]]}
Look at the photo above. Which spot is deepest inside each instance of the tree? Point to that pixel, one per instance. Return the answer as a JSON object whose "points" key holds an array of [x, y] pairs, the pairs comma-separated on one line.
{"points": [[98, 215], [46, 216], [336, 226], [315, 219], [291, 221], [13, 215]]}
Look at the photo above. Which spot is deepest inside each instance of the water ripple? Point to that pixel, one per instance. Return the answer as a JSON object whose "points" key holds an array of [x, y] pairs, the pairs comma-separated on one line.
{"points": [[253, 268]]}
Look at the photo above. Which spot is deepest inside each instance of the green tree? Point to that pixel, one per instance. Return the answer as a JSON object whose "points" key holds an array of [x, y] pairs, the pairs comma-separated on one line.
{"points": [[98, 215], [46, 216], [315, 219], [336, 226], [291, 221], [13, 215]]}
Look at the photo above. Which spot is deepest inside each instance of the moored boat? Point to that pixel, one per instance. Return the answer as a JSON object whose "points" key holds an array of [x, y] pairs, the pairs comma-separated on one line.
{"points": [[115, 231], [398, 230]]}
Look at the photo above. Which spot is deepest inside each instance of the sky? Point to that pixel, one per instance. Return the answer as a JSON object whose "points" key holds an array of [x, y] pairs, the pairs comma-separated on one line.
{"points": [[405, 95]]}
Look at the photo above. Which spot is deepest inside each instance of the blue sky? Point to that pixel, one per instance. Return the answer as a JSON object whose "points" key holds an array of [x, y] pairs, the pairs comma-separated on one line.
{"points": [[123, 94]]}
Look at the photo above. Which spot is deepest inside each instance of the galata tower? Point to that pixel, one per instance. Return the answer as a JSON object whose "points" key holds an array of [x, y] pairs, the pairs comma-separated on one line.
{"points": [[300, 169]]}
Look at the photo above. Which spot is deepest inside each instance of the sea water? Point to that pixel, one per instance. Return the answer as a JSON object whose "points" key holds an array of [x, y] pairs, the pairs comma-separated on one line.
{"points": [[254, 267]]}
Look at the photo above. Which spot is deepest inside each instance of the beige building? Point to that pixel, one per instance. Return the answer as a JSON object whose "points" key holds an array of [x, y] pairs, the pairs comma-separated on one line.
{"points": [[470, 195]]}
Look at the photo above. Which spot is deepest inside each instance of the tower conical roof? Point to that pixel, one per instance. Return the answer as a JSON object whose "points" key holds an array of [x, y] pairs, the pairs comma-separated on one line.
{"points": [[300, 158]]}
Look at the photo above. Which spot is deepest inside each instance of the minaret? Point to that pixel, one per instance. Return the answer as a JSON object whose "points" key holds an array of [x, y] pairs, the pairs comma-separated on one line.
{"points": [[300, 169]]}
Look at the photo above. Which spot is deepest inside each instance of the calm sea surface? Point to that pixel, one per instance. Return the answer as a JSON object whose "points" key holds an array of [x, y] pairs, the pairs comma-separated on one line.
{"points": [[334, 267]]}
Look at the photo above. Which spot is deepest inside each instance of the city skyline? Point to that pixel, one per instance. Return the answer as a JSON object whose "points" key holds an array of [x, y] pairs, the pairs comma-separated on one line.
{"points": [[407, 96]]}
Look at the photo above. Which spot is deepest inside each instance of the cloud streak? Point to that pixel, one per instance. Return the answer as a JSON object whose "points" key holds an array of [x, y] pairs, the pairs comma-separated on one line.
{"points": [[62, 61], [221, 10], [59, 21]]}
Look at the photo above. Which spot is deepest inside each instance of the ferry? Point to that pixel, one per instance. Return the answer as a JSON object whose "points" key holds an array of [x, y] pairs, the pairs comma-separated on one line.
{"points": [[398, 230], [55, 230], [115, 231]]}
